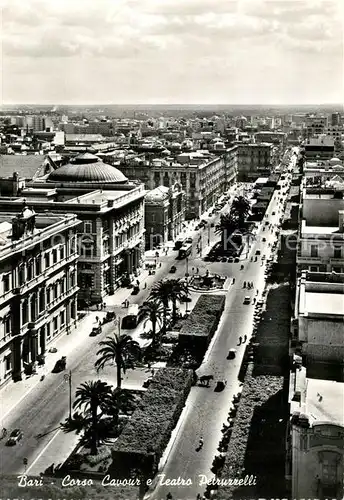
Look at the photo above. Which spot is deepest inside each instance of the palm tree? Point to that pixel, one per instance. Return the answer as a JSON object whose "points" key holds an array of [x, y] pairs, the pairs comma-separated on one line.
{"points": [[92, 396], [120, 348], [227, 226], [240, 209], [166, 291], [118, 400], [153, 312]]}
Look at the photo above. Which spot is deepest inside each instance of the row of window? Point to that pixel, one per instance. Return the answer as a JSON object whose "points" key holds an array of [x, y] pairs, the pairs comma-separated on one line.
{"points": [[337, 252]]}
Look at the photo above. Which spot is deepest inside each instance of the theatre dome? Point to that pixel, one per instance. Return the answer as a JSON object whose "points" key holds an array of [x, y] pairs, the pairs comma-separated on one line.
{"points": [[87, 168]]}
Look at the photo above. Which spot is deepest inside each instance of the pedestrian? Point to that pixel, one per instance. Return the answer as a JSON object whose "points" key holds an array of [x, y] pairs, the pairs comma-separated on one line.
{"points": [[201, 443], [249, 285], [197, 271], [252, 286], [169, 496], [240, 340], [244, 285], [233, 281], [97, 307], [198, 497], [254, 301], [145, 286], [137, 282], [97, 319]]}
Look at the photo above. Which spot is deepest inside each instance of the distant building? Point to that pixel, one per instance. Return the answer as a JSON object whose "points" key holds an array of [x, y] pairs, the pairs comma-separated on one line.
{"points": [[321, 148], [38, 286], [164, 214], [253, 161], [316, 125]]}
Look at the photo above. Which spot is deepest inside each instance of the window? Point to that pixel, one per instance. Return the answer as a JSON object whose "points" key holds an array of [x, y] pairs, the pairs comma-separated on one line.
{"points": [[313, 269], [47, 260], [30, 270], [7, 324], [87, 227], [38, 265], [72, 279], [54, 256], [55, 324], [62, 318], [25, 312], [314, 250], [8, 364], [62, 252], [6, 281], [48, 295], [337, 253], [56, 290], [21, 275], [63, 285], [48, 330]]}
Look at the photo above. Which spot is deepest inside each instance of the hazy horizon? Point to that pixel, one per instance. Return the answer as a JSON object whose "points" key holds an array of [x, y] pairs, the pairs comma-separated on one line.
{"points": [[172, 51]]}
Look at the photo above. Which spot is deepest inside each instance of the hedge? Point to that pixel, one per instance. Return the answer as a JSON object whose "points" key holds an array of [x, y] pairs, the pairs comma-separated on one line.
{"points": [[146, 435], [255, 396], [200, 326]]}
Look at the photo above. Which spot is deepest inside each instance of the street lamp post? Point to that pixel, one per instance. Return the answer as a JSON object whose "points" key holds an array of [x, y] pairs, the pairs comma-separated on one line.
{"points": [[68, 378]]}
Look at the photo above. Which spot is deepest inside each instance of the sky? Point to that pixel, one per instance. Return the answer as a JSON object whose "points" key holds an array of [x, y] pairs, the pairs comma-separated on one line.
{"points": [[172, 51]]}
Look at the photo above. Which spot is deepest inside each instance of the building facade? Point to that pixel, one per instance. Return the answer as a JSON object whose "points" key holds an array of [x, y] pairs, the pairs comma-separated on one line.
{"points": [[111, 214], [38, 287], [315, 437], [164, 215], [320, 246], [253, 161]]}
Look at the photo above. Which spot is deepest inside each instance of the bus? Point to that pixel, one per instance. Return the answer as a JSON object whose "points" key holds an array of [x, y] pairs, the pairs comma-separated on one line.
{"points": [[131, 319], [185, 251]]}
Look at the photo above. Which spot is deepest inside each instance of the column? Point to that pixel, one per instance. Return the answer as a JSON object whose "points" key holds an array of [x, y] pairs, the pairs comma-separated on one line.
{"points": [[17, 362], [34, 345]]}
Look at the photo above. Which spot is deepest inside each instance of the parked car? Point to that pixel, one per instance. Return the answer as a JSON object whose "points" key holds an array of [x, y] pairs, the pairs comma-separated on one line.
{"points": [[173, 269], [136, 290], [247, 299], [15, 436], [220, 385], [60, 365], [230, 259], [236, 259], [273, 213], [264, 240], [188, 240]]}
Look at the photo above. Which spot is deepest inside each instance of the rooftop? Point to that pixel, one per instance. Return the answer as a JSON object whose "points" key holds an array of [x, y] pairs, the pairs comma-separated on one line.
{"points": [[322, 303], [325, 401], [26, 165]]}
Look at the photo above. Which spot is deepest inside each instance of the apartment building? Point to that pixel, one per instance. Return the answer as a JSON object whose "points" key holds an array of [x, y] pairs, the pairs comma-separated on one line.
{"points": [[320, 244], [38, 286], [253, 160], [319, 148], [315, 437], [164, 214]]}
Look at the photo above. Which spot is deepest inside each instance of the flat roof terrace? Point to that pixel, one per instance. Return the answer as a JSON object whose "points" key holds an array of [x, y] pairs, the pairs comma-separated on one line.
{"points": [[323, 303], [325, 401]]}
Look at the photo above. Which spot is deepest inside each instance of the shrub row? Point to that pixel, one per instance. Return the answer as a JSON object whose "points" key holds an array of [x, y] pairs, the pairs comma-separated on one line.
{"points": [[200, 326], [256, 392], [146, 435]]}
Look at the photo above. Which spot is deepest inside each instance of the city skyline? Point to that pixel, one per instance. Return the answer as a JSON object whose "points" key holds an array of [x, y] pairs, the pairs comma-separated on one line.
{"points": [[151, 52]]}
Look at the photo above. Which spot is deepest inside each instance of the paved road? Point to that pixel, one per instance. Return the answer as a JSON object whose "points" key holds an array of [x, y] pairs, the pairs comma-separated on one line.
{"points": [[46, 404], [207, 410]]}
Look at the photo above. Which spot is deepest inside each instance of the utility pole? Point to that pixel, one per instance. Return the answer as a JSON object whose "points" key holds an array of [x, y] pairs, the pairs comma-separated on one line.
{"points": [[68, 378]]}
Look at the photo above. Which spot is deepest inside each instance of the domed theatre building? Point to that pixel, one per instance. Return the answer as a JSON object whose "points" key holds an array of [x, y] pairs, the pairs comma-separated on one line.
{"points": [[111, 214]]}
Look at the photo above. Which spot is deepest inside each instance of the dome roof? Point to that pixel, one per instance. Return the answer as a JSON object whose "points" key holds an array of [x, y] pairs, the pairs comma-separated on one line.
{"points": [[87, 168]]}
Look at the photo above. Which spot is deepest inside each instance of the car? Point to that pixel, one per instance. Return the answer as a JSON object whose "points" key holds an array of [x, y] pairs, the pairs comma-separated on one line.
{"points": [[247, 299], [231, 354], [257, 252], [220, 385], [15, 436], [173, 269], [273, 213], [136, 290], [230, 259], [188, 240], [212, 224], [183, 298], [236, 260], [264, 240], [224, 259], [96, 330]]}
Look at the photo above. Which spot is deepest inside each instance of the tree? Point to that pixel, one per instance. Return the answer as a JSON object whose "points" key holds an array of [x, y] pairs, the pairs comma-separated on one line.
{"points": [[121, 349], [166, 291], [118, 400], [226, 227], [240, 209], [92, 397], [152, 311]]}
